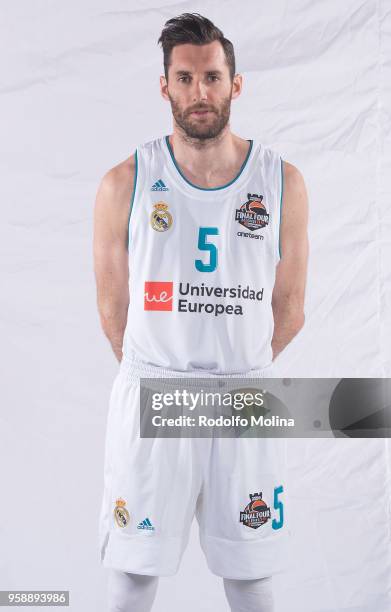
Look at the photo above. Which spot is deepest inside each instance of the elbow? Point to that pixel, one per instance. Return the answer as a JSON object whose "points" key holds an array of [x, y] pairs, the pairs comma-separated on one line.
{"points": [[299, 320], [296, 318], [290, 310]]}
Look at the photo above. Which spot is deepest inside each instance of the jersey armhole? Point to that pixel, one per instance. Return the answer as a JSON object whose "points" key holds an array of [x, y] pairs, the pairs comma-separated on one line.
{"points": [[133, 193], [281, 195]]}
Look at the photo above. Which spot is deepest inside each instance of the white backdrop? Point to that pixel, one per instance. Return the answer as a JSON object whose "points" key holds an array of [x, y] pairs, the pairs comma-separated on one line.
{"points": [[79, 90]]}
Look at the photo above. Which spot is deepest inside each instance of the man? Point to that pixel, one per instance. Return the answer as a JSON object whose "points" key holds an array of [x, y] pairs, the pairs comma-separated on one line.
{"points": [[208, 231]]}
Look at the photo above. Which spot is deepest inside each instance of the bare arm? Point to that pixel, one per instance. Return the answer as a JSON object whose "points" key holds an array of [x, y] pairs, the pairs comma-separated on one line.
{"points": [[289, 288], [111, 217]]}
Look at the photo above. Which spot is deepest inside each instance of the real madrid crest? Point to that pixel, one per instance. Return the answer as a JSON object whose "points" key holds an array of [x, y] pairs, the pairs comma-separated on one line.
{"points": [[121, 514], [161, 219]]}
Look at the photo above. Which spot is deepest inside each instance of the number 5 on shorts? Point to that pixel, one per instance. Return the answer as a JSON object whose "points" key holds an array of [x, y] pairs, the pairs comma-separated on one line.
{"points": [[278, 505]]}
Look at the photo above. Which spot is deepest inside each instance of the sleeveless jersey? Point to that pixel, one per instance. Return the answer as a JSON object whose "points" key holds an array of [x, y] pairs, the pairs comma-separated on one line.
{"points": [[202, 264]]}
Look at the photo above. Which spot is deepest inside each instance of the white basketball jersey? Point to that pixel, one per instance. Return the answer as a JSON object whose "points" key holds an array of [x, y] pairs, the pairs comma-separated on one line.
{"points": [[202, 264]]}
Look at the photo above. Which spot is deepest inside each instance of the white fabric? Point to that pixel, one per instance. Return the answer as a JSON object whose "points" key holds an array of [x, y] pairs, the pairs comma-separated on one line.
{"points": [[250, 595], [192, 309], [131, 592], [136, 593], [79, 92], [163, 482], [136, 369]]}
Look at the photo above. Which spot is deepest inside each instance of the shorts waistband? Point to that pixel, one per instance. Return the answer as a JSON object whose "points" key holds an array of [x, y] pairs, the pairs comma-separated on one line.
{"points": [[134, 369]]}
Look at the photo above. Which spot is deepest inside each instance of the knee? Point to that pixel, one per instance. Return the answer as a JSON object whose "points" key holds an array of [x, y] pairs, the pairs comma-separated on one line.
{"points": [[129, 592], [249, 595]]}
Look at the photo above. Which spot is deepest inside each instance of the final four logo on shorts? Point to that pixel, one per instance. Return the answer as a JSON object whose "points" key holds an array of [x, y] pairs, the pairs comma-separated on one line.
{"points": [[161, 219], [252, 214], [121, 513], [256, 513]]}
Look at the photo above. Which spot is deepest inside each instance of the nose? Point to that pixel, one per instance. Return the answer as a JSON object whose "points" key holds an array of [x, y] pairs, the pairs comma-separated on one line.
{"points": [[200, 91]]}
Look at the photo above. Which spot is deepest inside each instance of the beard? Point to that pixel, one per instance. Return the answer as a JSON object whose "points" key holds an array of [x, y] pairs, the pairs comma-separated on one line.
{"points": [[198, 129]]}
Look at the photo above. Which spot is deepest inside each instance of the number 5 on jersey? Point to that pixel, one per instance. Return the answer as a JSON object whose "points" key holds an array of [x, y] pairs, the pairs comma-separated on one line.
{"points": [[203, 245]]}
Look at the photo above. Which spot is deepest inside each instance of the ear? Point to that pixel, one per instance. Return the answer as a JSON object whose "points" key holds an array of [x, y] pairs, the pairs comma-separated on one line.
{"points": [[164, 87], [237, 85]]}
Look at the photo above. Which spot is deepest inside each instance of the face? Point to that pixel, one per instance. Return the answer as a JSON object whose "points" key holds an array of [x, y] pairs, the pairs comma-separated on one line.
{"points": [[199, 89]]}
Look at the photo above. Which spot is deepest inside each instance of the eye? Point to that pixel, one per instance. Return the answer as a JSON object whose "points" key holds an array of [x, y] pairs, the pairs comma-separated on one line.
{"points": [[183, 77], [213, 76]]}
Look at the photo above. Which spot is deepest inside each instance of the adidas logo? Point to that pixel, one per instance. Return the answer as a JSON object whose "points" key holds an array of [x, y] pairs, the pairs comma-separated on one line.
{"points": [[159, 186], [146, 524]]}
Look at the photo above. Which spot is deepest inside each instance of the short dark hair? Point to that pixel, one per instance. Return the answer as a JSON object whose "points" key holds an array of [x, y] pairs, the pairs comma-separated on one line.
{"points": [[194, 29]]}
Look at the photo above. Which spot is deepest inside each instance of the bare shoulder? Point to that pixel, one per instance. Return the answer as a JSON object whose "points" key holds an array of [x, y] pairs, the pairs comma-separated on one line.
{"points": [[295, 198], [293, 178], [118, 181], [112, 204]]}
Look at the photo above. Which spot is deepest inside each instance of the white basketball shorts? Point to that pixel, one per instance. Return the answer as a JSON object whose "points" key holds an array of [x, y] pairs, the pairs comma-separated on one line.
{"points": [[153, 487]]}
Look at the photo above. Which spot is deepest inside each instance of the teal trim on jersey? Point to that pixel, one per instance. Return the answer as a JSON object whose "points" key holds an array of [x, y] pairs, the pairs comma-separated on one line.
{"points": [[282, 191], [209, 188], [134, 191]]}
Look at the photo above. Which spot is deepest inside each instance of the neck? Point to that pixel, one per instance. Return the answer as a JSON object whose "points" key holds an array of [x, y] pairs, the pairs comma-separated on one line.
{"points": [[206, 159], [180, 139]]}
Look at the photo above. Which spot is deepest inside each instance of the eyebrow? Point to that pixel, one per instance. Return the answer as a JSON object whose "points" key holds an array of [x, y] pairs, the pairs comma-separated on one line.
{"points": [[186, 72]]}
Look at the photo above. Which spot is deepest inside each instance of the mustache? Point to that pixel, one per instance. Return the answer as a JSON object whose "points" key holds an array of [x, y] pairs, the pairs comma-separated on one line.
{"points": [[201, 108]]}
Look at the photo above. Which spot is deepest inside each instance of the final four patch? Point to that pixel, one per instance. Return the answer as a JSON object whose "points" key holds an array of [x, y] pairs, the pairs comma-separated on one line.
{"points": [[161, 219], [252, 214], [121, 513], [256, 513]]}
